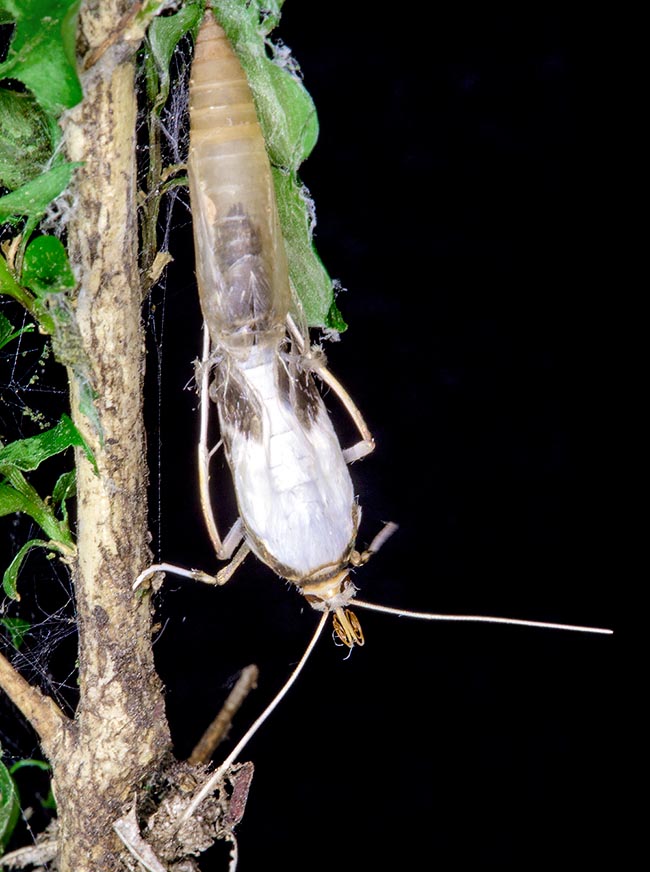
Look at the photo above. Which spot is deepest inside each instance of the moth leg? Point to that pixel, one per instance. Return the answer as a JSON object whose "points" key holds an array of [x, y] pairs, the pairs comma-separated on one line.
{"points": [[367, 444], [224, 548], [358, 558], [194, 574], [224, 575]]}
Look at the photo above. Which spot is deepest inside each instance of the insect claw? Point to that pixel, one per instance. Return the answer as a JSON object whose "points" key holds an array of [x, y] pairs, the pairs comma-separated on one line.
{"points": [[360, 558], [224, 575], [204, 577], [356, 558]]}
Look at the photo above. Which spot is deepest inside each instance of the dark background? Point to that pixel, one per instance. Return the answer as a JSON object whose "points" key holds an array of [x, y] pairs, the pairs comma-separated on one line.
{"points": [[451, 183]]}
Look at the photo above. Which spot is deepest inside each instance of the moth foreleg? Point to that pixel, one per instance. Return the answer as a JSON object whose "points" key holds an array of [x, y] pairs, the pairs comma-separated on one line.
{"points": [[224, 575], [367, 444], [194, 574], [358, 558]]}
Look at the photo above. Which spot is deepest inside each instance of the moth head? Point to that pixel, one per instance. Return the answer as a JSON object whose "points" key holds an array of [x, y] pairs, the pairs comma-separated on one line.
{"points": [[333, 595]]}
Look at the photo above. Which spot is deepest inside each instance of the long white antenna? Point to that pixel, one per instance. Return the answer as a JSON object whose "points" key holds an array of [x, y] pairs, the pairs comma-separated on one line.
{"points": [[211, 784], [478, 619]]}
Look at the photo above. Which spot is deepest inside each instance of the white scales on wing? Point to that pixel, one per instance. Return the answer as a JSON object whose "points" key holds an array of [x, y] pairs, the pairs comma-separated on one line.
{"points": [[293, 488]]}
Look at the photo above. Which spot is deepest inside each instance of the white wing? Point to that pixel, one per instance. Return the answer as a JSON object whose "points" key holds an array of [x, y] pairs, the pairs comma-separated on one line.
{"points": [[293, 487]]}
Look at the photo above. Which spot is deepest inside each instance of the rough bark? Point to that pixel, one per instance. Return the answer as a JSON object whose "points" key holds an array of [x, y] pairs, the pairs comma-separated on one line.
{"points": [[120, 732]]}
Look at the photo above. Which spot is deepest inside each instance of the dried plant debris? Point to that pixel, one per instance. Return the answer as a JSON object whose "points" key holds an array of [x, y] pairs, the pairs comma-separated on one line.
{"points": [[153, 832]]}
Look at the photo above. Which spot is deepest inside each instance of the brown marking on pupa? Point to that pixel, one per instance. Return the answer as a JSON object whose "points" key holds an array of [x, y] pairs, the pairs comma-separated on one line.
{"points": [[247, 299], [238, 407]]}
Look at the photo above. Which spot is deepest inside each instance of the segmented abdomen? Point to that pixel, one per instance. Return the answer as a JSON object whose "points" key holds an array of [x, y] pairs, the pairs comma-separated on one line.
{"points": [[240, 258]]}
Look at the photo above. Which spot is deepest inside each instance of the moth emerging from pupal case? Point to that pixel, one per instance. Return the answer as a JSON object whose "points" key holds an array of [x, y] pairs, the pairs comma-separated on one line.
{"points": [[297, 508]]}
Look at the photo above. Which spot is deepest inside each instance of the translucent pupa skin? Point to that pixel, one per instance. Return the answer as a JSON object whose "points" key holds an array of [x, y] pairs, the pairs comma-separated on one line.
{"points": [[240, 257], [294, 492]]}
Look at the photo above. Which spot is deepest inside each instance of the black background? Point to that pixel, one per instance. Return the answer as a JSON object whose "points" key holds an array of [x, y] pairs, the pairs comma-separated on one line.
{"points": [[450, 181]]}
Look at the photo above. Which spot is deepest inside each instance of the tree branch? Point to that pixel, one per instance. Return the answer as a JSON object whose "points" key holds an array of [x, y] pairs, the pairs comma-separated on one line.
{"points": [[42, 712]]}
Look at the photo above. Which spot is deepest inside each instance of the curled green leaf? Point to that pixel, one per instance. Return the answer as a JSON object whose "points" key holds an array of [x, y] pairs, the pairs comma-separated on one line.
{"points": [[33, 198], [10, 576], [307, 273], [7, 332], [164, 34], [17, 628], [46, 268], [65, 489], [27, 138], [9, 805], [17, 495], [28, 454], [31, 763]]}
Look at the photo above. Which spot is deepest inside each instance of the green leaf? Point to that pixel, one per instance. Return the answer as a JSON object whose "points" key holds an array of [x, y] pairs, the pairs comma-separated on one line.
{"points": [[164, 34], [12, 500], [44, 766], [305, 267], [33, 198], [10, 576], [30, 762], [66, 487], [287, 114], [28, 454], [18, 495], [27, 138], [334, 319], [48, 801], [8, 284], [7, 332], [46, 268], [42, 51], [17, 629], [87, 407], [19, 499], [9, 805]]}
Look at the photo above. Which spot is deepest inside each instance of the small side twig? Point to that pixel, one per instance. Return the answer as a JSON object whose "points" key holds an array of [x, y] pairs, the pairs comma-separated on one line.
{"points": [[31, 855], [122, 25], [42, 712], [219, 727]]}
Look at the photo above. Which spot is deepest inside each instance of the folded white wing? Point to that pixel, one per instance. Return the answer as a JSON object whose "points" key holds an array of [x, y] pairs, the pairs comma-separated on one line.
{"points": [[293, 487]]}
